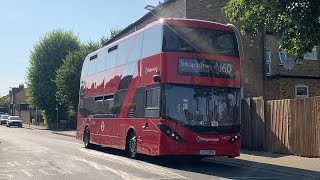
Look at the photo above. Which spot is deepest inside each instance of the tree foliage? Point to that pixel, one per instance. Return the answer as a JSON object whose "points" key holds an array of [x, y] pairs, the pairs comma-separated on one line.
{"points": [[68, 76], [295, 23], [4, 104], [113, 33], [46, 57]]}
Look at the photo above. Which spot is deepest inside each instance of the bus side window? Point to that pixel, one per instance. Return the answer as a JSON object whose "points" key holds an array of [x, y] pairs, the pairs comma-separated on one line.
{"points": [[102, 58], [112, 57], [124, 50], [84, 71], [136, 50], [152, 41], [92, 65]]}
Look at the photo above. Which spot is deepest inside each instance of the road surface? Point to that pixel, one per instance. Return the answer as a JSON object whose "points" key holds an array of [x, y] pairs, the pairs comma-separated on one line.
{"points": [[40, 154]]}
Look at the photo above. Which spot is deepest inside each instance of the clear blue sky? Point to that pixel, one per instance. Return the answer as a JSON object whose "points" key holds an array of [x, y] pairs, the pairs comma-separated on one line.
{"points": [[23, 23]]}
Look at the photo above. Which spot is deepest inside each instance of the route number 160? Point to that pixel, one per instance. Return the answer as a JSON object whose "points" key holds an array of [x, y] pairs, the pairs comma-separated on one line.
{"points": [[226, 68]]}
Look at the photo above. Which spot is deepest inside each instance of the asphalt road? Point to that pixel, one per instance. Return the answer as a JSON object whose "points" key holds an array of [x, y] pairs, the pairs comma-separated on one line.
{"points": [[40, 154]]}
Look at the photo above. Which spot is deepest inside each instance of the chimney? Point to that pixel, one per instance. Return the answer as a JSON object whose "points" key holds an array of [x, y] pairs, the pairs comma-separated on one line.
{"points": [[21, 86]]}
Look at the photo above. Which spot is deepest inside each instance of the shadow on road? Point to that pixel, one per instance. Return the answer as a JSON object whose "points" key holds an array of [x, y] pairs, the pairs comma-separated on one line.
{"points": [[220, 167]]}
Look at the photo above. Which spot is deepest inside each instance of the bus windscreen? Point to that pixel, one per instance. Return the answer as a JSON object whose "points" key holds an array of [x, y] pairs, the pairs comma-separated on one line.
{"points": [[199, 40], [202, 106]]}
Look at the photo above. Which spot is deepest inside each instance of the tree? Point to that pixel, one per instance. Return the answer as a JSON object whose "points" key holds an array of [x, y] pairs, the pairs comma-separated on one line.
{"points": [[113, 33], [46, 57], [4, 104], [68, 76], [295, 23]]}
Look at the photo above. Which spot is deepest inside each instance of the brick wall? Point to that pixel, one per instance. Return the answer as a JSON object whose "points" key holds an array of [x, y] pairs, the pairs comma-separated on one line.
{"points": [[21, 97], [272, 89], [303, 68], [252, 64], [287, 87]]}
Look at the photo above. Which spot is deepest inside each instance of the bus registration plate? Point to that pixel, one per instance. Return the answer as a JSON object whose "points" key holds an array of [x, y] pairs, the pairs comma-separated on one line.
{"points": [[207, 152]]}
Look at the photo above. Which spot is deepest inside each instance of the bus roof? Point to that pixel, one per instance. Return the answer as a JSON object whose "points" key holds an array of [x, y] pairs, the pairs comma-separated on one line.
{"points": [[169, 21]]}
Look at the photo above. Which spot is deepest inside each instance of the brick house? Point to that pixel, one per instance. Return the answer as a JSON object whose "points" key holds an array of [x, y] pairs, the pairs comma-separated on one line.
{"points": [[20, 107], [261, 76], [302, 81]]}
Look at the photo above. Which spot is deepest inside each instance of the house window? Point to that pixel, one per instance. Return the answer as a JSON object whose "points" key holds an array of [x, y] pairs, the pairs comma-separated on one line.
{"points": [[311, 55], [302, 91], [268, 62], [282, 56]]}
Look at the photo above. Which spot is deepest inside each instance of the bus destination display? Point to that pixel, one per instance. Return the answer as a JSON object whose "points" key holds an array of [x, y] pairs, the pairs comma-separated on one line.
{"points": [[205, 67]]}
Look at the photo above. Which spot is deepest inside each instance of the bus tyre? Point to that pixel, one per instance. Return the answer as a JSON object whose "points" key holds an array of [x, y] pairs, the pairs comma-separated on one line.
{"points": [[132, 146], [86, 138]]}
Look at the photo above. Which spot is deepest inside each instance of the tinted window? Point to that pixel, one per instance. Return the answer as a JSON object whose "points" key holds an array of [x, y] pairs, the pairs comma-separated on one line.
{"points": [[199, 40], [152, 102], [4, 117], [123, 50], [202, 106], [136, 50], [127, 75], [14, 118], [153, 97], [137, 108], [96, 107], [112, 57], [152, 41]]}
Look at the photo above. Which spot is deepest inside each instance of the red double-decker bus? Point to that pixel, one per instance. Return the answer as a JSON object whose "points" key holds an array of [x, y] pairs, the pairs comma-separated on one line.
{"points": [[171, 88]]}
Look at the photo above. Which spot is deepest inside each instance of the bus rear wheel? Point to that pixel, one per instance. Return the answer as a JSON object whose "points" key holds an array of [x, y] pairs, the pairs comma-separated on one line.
{"points": [[86, 138], [132, 146]]}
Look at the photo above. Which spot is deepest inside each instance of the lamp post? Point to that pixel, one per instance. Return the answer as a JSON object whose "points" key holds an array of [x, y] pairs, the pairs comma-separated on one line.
{"points": [[149, 8], [57, 109], [37, 123]]}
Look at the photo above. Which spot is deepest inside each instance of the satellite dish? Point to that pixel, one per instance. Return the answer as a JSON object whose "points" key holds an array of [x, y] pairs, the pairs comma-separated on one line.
{"points": [[288, 64]]}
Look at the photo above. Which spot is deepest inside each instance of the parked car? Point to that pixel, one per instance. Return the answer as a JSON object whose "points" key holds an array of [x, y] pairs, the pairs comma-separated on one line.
{"points": [[14, 121], [3, 119]]}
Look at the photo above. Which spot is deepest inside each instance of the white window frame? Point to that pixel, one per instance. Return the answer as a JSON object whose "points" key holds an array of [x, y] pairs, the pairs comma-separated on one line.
{"points": [[303, 86], [268, 62], [311, 55], [281, 60]]}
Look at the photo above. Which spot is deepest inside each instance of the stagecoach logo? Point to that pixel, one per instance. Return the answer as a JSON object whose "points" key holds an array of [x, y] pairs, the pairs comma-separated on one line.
{"points": [[102, 126], [147, 70], [199, 139]]}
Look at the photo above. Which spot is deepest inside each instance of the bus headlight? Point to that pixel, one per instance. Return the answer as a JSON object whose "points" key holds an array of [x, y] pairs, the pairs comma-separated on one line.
{"points": [[170, 133], [235, 138]]}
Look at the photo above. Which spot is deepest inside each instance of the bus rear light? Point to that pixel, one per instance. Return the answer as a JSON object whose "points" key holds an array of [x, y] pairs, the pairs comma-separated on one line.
{"points": [[170, 133]]}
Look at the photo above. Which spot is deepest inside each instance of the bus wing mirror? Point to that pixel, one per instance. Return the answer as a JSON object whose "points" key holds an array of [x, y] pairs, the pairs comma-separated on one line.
{"points": [[156, 78]]}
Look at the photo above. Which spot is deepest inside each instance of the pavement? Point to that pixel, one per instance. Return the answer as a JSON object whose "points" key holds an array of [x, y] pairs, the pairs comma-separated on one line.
{"points": [[302, 166], [283, 163], [70, 133]]}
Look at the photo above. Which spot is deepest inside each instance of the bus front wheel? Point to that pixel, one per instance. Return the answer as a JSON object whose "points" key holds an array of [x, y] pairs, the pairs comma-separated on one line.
{"points": [[86, 138], [132, 146]]}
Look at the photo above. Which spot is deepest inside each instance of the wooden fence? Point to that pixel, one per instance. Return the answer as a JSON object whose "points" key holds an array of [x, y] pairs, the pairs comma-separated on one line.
{"points": [[277, 126], [283, 126], [253, 124]]}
